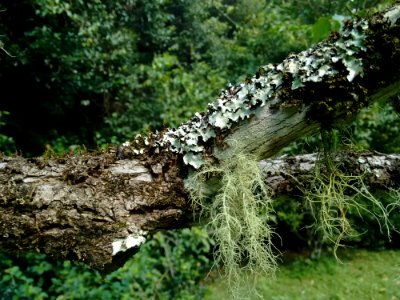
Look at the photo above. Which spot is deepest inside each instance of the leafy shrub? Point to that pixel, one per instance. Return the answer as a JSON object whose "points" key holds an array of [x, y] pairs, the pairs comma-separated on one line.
{"points": [[172, 265]]}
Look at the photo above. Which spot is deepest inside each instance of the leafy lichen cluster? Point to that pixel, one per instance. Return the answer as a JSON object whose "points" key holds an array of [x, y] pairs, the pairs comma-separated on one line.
{"points": [[316, 63], [236, 104], [336, 62]]}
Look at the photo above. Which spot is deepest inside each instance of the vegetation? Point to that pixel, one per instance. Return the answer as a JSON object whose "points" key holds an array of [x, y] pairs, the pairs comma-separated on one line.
{"points": [[360, 275], [171, 265], [97, 72]]}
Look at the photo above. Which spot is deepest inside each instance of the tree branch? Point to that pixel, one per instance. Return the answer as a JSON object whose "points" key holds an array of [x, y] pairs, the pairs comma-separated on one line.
{"points": [[290, 175], [99, 207], [89, 207]]}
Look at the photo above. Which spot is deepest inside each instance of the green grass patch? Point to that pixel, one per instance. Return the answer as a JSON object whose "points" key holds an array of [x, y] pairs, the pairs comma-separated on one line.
{"points": [[360, 275]]}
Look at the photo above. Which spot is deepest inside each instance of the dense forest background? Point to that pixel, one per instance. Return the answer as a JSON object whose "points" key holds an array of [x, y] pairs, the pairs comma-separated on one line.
{"points": [[78, 75]]}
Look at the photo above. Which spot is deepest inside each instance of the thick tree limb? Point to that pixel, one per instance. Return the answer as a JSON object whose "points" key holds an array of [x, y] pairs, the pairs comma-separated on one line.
{"points": [[89, 207], [290, 175], [80, 207], [99, 207]]}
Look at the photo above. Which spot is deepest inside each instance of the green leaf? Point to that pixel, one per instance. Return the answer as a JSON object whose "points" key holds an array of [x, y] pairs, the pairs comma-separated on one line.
{"points": [[322, 28]]}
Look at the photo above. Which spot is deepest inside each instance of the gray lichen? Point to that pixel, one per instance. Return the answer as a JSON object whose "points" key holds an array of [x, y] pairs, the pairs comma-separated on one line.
{"points": [[392, 15], [236, 104], [340, 55]]}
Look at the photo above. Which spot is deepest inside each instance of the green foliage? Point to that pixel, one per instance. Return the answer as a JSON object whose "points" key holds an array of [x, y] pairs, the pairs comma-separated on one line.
{"points": [[238, 217], [172, 265], [173, 90], [323, 27], [375, 129]]}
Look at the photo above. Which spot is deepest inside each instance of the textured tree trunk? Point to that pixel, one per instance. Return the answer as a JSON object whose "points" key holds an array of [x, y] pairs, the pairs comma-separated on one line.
{"points": [[99, 207]]}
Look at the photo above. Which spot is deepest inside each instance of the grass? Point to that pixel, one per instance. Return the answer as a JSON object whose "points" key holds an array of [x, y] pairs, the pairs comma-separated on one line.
{"points": [[361, 275]]}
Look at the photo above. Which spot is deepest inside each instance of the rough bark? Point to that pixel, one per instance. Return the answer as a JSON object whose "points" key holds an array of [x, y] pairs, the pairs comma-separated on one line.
{"points": [[290, 175], [81, 207], [88, 207], [99, 207]]}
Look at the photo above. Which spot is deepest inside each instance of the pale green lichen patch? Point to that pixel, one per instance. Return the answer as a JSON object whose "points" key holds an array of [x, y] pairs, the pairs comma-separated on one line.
{"points": [[393, 15], [315, 64]]}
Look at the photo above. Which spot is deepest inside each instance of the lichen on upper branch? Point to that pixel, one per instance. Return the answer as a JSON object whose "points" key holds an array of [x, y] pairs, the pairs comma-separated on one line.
{"points": [[326, 83], [237, 103]]}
